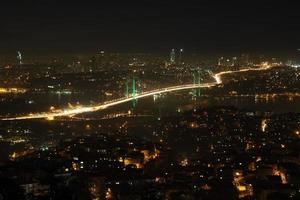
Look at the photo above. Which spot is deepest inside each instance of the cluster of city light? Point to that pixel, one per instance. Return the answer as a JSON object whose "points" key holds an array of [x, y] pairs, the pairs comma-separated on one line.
{"points": [[218, 79], [85, 109], [264, 125], [243, 189], [12, 90], [295, 66]]}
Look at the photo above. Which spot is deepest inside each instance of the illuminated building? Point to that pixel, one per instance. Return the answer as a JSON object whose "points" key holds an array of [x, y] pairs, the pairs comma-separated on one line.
{"points": [[234, 61], [221, 61], [172, 56], [19, 57], [245, 59], [180, 59]]}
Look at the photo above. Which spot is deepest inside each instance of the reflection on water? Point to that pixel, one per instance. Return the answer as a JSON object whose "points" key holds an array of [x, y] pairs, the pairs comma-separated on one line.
{"points": [[280, 103]]}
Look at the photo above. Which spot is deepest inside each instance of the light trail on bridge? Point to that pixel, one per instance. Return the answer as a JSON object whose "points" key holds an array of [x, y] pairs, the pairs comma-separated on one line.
{"points": [[86, 109]]}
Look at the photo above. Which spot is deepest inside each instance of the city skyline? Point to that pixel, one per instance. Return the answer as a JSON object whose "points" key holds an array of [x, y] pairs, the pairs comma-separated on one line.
{"points": [[149, 100]]}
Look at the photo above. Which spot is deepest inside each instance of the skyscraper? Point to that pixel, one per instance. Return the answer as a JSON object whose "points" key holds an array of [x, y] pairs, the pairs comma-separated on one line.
{"points": [[245, 59], [172, 56], [181, 56], [100, 60], [19, 57], [234, 61], [221, 61]]}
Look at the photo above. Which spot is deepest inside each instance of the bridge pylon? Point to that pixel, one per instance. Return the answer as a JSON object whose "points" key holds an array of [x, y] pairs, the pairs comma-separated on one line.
{"points": [[197, 82], [194, 83], [131, 89], [134, 92], [127, 88]]}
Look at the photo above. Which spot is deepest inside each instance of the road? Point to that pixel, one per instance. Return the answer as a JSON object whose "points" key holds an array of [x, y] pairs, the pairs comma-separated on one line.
{"points": [[85, 109]]}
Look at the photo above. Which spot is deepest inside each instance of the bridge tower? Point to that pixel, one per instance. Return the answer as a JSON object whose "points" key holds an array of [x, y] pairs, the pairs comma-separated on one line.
{"points": [[134, 92], [194, 83], [199, 82], [131, 89], [127, 88]]}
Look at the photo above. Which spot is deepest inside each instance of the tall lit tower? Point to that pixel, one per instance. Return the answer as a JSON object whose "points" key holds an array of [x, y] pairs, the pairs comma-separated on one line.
{"points": [[180, 56], [199, 83], [245, 59], [19, 57], [131, 89], [194, 83], [100, 60], [221, 61], [134, 92], [234, 61], [172, 56]]}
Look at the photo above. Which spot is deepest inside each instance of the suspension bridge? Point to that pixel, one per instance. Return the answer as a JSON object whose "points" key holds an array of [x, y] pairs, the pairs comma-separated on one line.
{"points": [[132, 97]]}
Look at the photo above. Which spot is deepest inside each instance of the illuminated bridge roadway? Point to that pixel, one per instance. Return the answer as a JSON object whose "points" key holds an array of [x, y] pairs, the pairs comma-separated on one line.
{"points": [[85, 109]]}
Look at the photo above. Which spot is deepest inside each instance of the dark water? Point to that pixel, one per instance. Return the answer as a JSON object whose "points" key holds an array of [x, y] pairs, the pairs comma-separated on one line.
{"points": [[166, 104]]}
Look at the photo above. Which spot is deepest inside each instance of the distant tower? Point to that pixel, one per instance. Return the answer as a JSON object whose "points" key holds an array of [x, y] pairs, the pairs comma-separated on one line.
{"points": [[100, 60], [262, 59], [172, 56], [245, 59], [221, 61], [19, 57], [181, 56], [234, 61]]}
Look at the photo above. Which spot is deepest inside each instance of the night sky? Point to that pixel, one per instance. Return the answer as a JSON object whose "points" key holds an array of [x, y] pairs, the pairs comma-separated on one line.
{"points": [[149, 26]]}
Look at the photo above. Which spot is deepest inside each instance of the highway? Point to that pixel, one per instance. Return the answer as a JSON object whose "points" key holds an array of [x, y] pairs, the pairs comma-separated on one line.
{"points": [[85, 109]]}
